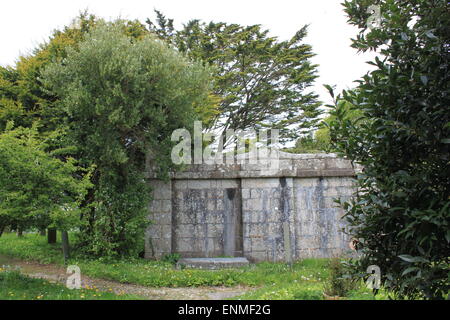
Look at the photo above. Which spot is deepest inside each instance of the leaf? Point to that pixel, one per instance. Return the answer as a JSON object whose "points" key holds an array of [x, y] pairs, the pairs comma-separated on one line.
{"points": [[330, 89], [411, 259], [406, 257], [408, 270], [400, 194]]}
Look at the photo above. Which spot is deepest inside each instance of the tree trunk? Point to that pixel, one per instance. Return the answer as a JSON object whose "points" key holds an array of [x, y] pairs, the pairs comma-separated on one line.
{"points": [[2, 228], [65, 245], [51, 235], [42, 232], [19, 232]]}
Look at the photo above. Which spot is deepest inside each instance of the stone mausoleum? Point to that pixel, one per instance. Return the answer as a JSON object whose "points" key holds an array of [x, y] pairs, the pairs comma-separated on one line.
{"points": [[246, 210]]}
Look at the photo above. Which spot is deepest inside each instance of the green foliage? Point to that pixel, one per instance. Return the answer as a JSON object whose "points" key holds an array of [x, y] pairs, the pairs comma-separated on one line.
{"points": [[401, 212], [31, 247], [320, 140], [122, 99], [172, 81], [15, 286], [171, 258], [10, 108], [317, 143], [260, 80], [23, 98], [24, 84], [36, 189], [338, 284]]}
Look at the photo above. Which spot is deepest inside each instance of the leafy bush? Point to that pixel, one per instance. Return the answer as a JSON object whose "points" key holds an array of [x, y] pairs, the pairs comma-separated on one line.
{"points": [[320, 140], [171, 258], [338, 283], [37, 189], [401, 212]]}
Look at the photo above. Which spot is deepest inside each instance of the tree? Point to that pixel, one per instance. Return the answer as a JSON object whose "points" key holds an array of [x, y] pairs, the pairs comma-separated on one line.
{"points": [[401, 212], [320, 140], [261, 82], [22, 98], [10, 108], [36, 189], [123, 98]]}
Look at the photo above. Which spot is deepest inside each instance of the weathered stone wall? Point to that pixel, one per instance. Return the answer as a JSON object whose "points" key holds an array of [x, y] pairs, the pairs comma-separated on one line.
{"points": [[317, 219], [206, 217], [247, 210]]}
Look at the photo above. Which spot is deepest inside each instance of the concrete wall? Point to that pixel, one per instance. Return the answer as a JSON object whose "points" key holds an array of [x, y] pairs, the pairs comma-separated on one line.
{"points": [[247, 210], [206, 217]]}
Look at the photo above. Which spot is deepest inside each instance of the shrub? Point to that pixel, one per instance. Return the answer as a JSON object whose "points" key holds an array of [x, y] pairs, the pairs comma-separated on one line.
{"points": [[171, 258], [401, 212], [338, 283], [37, 190]]}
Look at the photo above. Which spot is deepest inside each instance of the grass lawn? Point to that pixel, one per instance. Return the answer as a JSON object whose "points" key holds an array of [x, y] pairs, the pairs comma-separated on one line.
{"points": [[304, 280], [15, 286]]}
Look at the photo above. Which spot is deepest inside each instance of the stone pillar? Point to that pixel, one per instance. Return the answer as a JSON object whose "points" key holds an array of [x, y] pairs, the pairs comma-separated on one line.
{"points": [[158, 236], [267, 210], [319, 224]]}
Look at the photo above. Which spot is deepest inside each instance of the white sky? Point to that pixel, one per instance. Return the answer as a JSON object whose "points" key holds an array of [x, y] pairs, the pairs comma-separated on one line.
{"points": [[24, 24]]}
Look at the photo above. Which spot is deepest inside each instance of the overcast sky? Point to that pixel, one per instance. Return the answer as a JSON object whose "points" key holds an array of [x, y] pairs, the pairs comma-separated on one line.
{"points": [[26, 23]]}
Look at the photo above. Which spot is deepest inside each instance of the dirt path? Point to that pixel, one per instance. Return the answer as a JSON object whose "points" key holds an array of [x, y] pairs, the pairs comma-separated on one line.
{"points": [[54, 273]]}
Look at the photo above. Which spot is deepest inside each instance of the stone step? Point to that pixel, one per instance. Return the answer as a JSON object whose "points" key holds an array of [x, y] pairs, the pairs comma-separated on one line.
{"points": [[212, 263]]}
